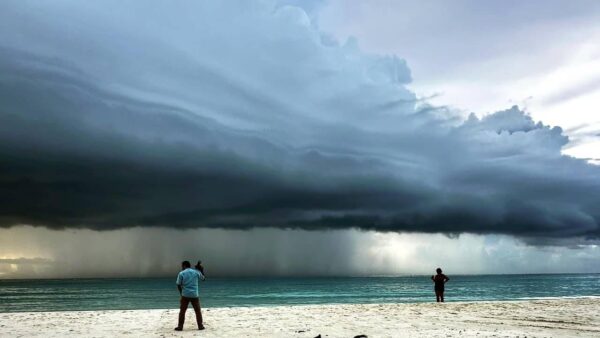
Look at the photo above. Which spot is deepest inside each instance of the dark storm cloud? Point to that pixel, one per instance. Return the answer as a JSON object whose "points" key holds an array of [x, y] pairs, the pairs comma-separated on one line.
{"points": [[238, 114]]}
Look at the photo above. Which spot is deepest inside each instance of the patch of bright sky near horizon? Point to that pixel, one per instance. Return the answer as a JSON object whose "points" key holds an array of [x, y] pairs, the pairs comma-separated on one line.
{"points": [[28, 252], [479, 56]]}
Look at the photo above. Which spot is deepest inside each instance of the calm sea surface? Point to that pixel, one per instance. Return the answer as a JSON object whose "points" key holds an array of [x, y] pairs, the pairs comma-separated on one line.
{"points": [[160, 293]]}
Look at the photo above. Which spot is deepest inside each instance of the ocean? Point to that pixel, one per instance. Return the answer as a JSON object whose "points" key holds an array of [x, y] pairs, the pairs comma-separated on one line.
{"points": [[161, 293]]}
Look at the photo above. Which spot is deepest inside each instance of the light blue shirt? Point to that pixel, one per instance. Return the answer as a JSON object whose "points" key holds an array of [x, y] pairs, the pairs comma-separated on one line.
{"points": [[188, 279]]}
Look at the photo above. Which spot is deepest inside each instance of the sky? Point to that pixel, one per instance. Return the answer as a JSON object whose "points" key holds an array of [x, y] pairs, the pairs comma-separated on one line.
{"points": [[298, 137], [478, 56]]}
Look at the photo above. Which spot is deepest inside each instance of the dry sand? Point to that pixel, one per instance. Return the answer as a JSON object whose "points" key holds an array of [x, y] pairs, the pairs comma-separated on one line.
{"points": [[542, 318]]}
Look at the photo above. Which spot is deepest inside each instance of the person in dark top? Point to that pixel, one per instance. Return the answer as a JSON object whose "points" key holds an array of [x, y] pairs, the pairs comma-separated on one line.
{"points": [[440, 279]]}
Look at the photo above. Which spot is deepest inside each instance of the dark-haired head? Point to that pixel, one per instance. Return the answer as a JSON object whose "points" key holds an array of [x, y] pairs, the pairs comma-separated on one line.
{"points": [[438, 270], [186, 264]]}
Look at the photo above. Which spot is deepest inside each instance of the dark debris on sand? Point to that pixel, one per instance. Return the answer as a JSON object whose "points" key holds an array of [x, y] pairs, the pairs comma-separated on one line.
{"points": [[359, 336]]}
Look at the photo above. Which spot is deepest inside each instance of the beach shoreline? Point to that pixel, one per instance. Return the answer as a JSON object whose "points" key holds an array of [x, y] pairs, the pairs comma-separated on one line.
{"points": [[531, 318]]}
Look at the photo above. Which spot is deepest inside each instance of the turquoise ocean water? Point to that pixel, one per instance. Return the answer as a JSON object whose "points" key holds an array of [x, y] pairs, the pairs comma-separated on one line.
{"points": [[160, 293]]}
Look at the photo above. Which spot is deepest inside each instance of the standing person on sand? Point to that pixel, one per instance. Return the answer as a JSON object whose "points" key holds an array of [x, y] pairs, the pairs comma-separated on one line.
{"points": [[440, 280], [187, 283]]}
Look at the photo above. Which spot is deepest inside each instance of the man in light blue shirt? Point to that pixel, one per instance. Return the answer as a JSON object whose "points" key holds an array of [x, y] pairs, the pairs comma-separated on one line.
{"points": [[187, 283]]}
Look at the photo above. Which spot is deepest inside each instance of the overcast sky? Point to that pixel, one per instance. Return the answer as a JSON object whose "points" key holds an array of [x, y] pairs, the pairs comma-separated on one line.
{"points": [[379, 137], [478, 56]]}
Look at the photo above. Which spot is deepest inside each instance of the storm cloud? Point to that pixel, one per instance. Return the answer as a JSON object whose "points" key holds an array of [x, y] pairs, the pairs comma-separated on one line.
{"points": [[238, 114]]}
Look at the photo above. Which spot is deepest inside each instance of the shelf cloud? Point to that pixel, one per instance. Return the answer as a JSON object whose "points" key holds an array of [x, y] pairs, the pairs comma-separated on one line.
{"points": [[237, 114]]}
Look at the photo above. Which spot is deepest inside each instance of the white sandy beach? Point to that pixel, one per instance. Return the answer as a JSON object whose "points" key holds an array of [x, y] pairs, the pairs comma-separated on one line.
{"points": [[542, 318]]}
